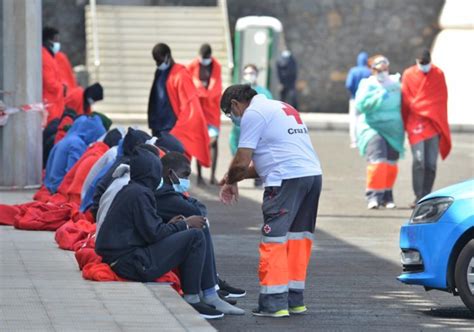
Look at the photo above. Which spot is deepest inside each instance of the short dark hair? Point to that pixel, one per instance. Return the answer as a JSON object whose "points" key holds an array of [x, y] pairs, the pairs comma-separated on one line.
{"points": [[49, 33], [239, 92], [251, 65], [174, 160], [205, 51], [160, 49], [424, 56]]}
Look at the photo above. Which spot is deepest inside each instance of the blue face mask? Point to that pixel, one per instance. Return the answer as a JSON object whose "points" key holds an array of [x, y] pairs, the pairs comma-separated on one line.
{"points": [[425, 68], [235, 119], [165, 64], [183, 185], [56, 47], [160, 185], [206, 61]]}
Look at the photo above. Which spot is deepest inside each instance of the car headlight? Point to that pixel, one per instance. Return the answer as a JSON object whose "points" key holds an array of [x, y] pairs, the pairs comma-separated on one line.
{"points": [[431, 210]]}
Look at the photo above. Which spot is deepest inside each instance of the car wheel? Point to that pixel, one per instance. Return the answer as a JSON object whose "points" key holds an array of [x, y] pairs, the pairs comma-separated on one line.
{"points": [[464, 275]]}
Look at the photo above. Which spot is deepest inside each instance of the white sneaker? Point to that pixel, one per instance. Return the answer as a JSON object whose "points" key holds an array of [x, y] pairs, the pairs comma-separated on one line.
{"points": [[373, 205], [390, 205]]}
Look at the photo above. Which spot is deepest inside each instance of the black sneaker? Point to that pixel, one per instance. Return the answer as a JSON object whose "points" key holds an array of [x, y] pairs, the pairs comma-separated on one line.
{"points": [[207, 311], [227, 299], [233, 292]]}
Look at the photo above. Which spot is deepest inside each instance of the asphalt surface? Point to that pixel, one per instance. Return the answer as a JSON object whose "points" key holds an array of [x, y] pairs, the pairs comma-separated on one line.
{"points": [[352, 275]]}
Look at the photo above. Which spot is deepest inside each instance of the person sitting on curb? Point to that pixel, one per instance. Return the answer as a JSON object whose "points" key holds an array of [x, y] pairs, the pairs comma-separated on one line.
{"points": [[171, 199], [139, 246]]}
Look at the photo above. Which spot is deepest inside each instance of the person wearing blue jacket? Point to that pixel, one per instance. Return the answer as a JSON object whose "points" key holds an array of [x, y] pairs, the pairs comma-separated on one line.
{"points": [[354, 76], [84, 131]]}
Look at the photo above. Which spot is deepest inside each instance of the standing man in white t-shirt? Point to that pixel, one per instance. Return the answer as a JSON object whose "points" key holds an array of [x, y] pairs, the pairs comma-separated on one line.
{"points": [[274, 138]]}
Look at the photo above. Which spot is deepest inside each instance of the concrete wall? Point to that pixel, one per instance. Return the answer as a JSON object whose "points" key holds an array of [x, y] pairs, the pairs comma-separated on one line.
{"points": [[324, 35], [456, 41]]}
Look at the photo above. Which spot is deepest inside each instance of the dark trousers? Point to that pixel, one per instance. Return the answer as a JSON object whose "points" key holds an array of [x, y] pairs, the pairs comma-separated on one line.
{"points": [[288, 95], [425, 155], [183, 250], [209, 272]]}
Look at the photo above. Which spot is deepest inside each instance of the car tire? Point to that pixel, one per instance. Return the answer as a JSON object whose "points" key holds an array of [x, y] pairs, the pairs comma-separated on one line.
{"points": [[463, 263]]}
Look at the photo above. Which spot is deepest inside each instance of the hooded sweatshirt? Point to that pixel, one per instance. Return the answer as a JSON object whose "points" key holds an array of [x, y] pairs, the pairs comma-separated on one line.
{"points": [[132, 139], [67, 152], [121, 179], [357, 73], [132, 221]]}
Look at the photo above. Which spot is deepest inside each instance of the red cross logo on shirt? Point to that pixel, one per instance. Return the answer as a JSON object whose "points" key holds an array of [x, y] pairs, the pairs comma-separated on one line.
{"points": [[290, 111]]}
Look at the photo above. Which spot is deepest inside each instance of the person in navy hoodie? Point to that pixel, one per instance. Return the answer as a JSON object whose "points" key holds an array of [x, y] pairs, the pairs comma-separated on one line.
{"points": [[172, 199], [84, 131], [139, 246]]}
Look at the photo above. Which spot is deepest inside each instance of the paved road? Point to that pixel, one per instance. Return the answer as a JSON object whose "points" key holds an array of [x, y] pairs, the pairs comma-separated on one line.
{"points": [[352, 283]]}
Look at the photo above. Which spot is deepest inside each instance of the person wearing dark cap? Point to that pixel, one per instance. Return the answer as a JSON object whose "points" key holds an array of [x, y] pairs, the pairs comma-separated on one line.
{"points": [[207, 78], [425, 117], [174, 108], [138, 245], [81, 100]]}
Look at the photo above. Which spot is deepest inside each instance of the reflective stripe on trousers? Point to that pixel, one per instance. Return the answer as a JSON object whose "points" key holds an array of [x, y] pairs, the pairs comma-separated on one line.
{"points": [[284, 261]]}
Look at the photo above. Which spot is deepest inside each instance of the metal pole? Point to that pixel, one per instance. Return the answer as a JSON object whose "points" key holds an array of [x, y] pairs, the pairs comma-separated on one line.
{"points": [[21, 137]]}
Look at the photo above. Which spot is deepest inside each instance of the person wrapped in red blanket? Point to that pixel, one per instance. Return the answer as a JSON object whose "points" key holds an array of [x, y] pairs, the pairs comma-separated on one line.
{"points": [[207, 78], [425, 117], [174, 108]]}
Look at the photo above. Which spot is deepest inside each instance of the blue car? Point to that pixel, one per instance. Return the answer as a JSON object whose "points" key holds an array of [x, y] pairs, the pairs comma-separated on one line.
{"points": [[437, 243]]}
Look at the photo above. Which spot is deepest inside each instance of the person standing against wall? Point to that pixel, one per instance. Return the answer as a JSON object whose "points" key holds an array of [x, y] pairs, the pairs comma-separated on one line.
{"points": [[207, 78], [287, 70], [354, 76]]}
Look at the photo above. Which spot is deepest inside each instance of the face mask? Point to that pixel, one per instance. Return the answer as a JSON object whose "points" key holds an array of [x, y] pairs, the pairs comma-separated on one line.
{"points": [[425, 68], [183, 185], [165, 64], [160, 185], [250, 78], [206, 62], [235, 119], [382, 76], [56, 47]]}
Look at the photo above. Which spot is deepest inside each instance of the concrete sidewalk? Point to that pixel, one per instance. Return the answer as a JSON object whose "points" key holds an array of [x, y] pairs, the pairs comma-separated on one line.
{"points": [[41, 289]]}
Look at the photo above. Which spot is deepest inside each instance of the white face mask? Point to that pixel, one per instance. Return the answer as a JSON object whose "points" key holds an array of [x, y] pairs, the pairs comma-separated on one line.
{"points": [[424, 68], [206, 62], [382, 76], [250, 78], [56, 47]]}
